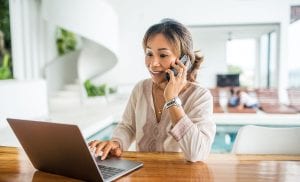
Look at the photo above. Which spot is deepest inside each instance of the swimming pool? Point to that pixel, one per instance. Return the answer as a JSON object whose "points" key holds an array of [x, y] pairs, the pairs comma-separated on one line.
{"points": [[223, 143]]}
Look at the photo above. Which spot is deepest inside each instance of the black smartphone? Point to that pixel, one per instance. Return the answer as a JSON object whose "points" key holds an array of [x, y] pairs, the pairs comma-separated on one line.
{"points": [[186, 61]]}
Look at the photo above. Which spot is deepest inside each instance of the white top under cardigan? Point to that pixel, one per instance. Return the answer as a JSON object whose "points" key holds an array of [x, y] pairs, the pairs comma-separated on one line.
{"points": [[193, 134]]}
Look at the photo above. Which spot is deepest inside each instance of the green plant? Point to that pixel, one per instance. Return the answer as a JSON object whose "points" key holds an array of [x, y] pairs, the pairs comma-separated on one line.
{"points": [[4, 22], [112, 90], [65, 41], [93, 90], [5, 42], [5, 72], [101, 90], [233, 69]]}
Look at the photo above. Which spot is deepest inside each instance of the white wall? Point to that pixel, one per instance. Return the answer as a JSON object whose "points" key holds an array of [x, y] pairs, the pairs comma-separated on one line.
{"points": [[136, 16], [23, 99], [295, 2], [214, 50]]}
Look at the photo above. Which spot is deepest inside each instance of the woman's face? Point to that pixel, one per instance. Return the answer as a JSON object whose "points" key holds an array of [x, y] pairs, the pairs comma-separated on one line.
{"points": [[159, 56]]}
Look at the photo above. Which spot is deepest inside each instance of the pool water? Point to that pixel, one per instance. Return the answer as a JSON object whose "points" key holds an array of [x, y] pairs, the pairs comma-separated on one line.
{"points": [[223, 143], [104, 134], [224, 139]]}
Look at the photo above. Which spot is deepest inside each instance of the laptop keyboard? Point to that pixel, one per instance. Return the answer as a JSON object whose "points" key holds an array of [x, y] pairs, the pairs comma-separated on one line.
{"points": [[108, 172]]}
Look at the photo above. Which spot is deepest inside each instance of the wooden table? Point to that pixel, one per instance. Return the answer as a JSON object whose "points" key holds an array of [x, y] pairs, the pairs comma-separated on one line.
{"points": [[15, 166]]}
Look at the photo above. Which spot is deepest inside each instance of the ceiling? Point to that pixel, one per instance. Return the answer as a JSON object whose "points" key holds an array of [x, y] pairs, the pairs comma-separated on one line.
{"points": [[233, 31]]}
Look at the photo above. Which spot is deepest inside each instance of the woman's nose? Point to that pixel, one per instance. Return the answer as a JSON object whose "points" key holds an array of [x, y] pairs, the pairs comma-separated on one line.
{"points": [[155, 62]]}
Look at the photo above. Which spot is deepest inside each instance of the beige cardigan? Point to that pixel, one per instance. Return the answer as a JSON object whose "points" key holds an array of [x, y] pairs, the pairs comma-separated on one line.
{"points": [[193, 134]]}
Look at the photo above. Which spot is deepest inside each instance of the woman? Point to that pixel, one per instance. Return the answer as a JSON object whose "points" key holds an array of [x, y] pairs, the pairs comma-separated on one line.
{"points": [[164, 115]]}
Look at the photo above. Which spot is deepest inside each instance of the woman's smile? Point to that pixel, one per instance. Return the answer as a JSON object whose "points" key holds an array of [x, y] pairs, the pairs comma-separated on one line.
{"points": [[157, 73]]}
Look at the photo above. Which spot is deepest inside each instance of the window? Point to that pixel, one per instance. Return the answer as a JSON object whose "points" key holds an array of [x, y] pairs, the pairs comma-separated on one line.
{"points": [[5, 43], [294, 54], [241, 56], [268, 61]]}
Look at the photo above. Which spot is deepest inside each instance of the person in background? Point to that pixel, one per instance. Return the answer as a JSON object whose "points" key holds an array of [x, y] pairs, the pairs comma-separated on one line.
{"points": [[166, 113], [234, 99], [246, 101], [241, 99]]}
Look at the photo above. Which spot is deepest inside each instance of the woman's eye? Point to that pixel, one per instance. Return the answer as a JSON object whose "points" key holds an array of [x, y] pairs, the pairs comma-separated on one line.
{"points": [[148, 54], [163, 55]]}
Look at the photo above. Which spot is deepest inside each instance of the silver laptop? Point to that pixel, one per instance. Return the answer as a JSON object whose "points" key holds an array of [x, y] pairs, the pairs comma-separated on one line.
{"points": [[61, 149]]}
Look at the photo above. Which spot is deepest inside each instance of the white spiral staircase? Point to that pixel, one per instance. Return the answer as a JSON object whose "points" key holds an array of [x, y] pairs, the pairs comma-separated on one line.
{"points": [[97, 23]]}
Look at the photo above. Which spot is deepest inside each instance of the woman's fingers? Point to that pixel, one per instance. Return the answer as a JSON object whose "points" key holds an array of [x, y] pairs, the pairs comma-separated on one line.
{"points": [[106, 150], [103, 148], [171, 73], [116, 152], [183, 67], [93, 143], [99, 148], [180, 64], [180, 67]]}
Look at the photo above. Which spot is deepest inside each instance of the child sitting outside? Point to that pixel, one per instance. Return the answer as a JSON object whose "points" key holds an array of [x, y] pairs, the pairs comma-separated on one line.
{"points": [[241, 100]]}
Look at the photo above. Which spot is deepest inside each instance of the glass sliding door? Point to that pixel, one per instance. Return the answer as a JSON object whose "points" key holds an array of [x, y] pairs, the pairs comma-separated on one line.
{"points": [[294, 55], [268, 63], [241, 58]]}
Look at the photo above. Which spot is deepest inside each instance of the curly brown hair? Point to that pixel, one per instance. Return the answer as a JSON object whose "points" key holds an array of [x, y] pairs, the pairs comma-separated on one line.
{"points": [[181, 39]]}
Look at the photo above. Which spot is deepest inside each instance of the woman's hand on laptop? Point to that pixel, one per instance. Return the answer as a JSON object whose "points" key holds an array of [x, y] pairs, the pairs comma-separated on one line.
{"points": [[103, 148]]}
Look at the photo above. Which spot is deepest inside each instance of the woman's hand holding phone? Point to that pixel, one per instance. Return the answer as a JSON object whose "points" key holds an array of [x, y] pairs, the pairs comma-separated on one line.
{"points": [[176, 83]]}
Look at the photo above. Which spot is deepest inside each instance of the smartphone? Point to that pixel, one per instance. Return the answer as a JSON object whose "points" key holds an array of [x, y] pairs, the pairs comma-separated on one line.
{"points": [[186, 61]]}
